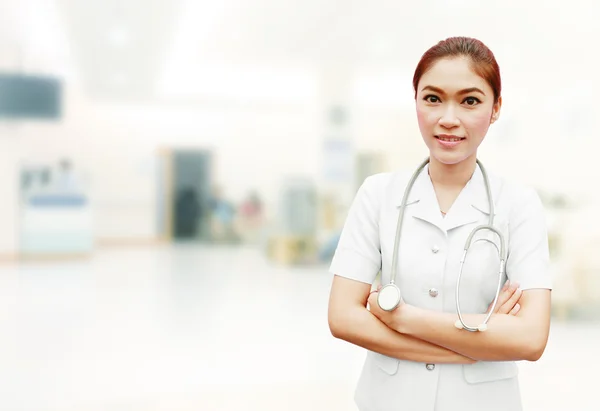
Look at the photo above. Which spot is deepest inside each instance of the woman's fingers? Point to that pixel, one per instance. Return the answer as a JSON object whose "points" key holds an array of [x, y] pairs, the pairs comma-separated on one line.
{"points": [[507, 299], [505, 294], [512, 302], [515, 310], [502, 298]]}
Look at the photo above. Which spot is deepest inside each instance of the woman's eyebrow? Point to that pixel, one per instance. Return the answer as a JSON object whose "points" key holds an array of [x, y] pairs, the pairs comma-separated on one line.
{"points": [[471, 90], [463, 91]]}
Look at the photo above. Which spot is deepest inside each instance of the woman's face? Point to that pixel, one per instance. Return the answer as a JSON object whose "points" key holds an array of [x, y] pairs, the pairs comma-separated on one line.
{"points": [[455, 108]]}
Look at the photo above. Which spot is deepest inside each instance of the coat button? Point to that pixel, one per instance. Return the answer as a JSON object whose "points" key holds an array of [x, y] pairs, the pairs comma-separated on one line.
{"points": [[430, 367], [435, 249], [433, 292]]}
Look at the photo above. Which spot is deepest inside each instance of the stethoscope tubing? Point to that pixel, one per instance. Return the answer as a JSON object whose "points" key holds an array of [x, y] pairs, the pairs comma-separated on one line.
{"points": [[490, 227]]}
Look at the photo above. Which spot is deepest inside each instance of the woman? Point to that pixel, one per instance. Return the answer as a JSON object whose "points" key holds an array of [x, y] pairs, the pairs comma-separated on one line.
{"points": [[417, 358]]}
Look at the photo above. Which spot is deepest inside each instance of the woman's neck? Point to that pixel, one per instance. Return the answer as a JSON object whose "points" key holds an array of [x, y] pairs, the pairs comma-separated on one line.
{"points": [[451, 175]]}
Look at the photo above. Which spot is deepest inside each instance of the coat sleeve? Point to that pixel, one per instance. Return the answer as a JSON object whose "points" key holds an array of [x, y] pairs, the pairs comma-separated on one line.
{"points": [[528, 254], [358, 253]]}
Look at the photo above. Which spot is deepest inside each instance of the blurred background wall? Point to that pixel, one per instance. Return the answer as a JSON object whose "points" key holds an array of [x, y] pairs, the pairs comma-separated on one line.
{"points": [[252, 123], [273, 92]]}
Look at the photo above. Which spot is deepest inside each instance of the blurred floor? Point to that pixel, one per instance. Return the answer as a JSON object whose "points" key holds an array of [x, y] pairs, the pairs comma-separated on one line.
{"points": [[208, 328]]}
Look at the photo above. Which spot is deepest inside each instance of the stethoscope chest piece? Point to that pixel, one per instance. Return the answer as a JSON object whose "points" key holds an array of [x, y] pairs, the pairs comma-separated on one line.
{"points": [[389, 297], [481, 327]]}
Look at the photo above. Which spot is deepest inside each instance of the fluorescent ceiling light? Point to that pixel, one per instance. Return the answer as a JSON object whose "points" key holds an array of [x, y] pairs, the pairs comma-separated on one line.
{"points": [[247, 83], [119, 37], [44, 36], [197, 21]]}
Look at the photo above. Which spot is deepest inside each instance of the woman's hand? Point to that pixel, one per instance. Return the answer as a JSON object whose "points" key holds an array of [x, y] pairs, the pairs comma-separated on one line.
{"points": [[508, 300], [389, 318]]}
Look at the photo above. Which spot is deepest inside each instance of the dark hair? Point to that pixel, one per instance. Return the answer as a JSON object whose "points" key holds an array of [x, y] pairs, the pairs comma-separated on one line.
{"points": [[482, 59]]}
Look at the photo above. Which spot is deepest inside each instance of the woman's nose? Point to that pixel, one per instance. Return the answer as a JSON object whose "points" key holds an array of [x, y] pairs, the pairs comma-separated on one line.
{"points": [[449, 118]]}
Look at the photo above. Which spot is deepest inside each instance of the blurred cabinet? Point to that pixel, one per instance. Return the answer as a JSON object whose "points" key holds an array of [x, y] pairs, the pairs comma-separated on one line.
{"points": [[294, 239], [55, 213], [56, 224], [292, 249], [298, 208]]}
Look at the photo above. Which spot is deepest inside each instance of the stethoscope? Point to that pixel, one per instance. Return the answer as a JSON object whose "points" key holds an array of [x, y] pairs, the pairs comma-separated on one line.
{"points": [[389, 296]]}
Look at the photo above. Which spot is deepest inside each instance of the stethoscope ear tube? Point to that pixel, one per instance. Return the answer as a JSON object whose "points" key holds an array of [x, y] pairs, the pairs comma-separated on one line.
{"points": [[383, 304]]}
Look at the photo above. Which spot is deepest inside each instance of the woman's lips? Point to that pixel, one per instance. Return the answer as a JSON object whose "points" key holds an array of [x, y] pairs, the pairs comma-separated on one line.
{"points": [[449, 141]]}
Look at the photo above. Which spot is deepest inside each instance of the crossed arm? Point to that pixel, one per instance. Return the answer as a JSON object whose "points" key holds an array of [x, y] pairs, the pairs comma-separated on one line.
{"points": [[509, 337], [415, 334], [350, 320]]}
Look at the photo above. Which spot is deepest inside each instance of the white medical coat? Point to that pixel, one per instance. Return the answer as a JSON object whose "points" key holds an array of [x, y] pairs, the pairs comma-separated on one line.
{"points": [[428, 262]]}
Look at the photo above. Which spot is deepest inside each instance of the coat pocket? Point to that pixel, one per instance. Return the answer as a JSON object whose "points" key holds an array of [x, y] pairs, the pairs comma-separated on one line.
{"points": [[387, 364], [486, 371]]}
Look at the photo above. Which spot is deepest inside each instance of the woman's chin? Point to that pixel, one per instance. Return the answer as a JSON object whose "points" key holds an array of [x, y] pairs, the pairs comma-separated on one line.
{"points": [[449, 158]]}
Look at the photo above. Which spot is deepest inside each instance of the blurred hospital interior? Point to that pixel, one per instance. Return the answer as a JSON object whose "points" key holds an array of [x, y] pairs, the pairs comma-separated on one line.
{"points": [[175, 176]]}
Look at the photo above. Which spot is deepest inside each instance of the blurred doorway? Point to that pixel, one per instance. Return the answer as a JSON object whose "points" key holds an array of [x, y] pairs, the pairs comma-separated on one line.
{"points": [[185, 194]]}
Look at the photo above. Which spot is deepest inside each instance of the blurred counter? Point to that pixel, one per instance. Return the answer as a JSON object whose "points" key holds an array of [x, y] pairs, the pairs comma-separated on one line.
{"points": [[56, 224]]}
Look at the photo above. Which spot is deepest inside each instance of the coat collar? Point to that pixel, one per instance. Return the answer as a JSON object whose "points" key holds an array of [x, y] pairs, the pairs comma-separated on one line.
{"points": [[469, 207]]}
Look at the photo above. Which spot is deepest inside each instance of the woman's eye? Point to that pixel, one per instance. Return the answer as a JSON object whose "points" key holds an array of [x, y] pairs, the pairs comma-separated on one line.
{"points": [[431, 99], [471, 101]]}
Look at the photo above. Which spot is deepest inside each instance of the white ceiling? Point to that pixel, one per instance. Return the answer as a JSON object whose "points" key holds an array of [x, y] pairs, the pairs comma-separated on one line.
{"points": [[119, 46], [124, 49]]}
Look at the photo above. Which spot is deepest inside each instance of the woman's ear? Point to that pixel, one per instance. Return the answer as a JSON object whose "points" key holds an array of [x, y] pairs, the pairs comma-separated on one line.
{"points": [[496, 110]]}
